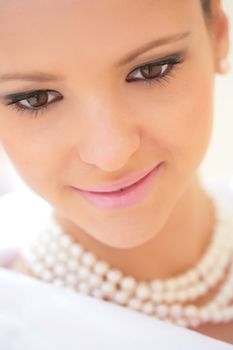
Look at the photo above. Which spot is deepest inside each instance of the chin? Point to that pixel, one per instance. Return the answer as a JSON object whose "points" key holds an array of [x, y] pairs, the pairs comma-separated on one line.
{"points": [[128, 234]]}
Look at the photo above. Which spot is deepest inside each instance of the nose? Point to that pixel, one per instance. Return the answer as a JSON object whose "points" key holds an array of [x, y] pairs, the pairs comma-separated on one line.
{"points": [[108, 139]]}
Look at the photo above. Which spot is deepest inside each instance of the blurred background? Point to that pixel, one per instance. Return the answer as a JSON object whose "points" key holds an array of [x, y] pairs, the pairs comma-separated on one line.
{"points": [[218, 161]]}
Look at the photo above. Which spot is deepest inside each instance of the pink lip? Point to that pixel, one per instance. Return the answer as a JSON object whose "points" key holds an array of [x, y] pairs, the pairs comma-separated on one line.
{"points": [[121, 184], [125, 198]]}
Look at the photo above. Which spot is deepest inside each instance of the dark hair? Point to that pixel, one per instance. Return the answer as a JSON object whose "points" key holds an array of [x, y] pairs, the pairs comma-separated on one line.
{"points": [[206, 4]]}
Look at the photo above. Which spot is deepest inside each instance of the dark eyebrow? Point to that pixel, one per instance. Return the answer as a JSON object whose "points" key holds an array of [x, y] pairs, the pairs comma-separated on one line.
{"points": [[46, 77], [36, 76], [155, 43]]}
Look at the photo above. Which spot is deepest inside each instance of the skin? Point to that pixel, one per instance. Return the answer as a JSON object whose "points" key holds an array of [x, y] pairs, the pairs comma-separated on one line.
{"points": [[169, 121]]}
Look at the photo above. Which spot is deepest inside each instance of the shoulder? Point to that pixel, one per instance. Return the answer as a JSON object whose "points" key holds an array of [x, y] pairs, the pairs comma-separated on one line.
{"points": [[22, 214]]}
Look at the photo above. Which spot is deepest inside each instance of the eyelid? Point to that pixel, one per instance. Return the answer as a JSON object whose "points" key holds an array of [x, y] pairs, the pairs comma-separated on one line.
{"points": [[162, 60], [17, 97]]}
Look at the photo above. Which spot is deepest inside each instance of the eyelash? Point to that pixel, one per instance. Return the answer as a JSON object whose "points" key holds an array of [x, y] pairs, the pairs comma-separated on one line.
{"points": [[25, 96], [171, 61]]}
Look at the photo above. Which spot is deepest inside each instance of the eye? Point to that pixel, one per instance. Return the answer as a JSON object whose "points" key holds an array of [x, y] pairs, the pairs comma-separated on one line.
{"points": [[33, 102], [155, 71]]}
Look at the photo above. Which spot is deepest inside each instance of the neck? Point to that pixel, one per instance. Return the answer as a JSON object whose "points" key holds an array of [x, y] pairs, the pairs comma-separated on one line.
{"points": [[175, 249]]}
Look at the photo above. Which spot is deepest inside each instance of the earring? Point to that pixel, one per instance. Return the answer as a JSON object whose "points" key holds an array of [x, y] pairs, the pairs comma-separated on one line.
{"points": [[224, 66]]}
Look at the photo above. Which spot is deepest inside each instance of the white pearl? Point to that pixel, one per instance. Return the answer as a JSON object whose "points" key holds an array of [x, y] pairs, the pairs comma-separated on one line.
{"points": [[142, 291], [168, 320], [58, 282], [46, 275], [97, 293], [157, 297], [194, 322], [54, 247], [41, 251], [227, 291], [192, 293], [201, 289], [182, 281], [84, 288], [44, 238], [76, 250], [32, 258], [182, 323], [72, 264], [216, 315], [107, 288], [101, 268], [176, 310], [224, 316], [121, 297], [59, 270], [190, 311], [135, 304], [54, 230], [83, 273], [217, 275], [193, 276], [37, 268], [153, 297], [128, 283], [49, 260], [156, 285], [204, 314], [114, 276], [169, 297], [64, 241], [221, 300], [162, 310], [148, 308], [88, 259], [181, 296], [71, 279], [61, 256], [95, 280], [208, 260], [170, 284], [223, 260], [210, 280], [228, 314]]}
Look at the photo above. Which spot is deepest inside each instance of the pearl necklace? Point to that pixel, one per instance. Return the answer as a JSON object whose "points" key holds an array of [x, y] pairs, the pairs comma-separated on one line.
{"points": [[54, 258]]}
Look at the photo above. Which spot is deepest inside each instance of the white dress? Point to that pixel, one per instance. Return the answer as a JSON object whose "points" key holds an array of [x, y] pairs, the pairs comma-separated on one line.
{"points": [[35, 315]]}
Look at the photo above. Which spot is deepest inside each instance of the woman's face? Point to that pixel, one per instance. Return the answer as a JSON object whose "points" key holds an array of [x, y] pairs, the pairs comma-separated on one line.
{"points": [[105, 120]]}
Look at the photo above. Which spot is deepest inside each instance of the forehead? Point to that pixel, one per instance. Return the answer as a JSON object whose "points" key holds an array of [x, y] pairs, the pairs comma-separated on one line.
{"points": [[32, 30]]}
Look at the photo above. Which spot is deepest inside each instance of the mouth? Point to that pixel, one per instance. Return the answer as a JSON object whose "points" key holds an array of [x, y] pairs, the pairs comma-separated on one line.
{"points": [[125, 196]]}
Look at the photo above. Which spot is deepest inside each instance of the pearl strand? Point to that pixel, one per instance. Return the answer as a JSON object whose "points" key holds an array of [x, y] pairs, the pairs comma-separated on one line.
{"points": [[55, 258]]}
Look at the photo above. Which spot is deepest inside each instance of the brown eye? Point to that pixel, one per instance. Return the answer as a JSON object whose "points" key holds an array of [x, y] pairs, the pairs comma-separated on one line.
{"points": [[33, 102], [38, 99], [151, 71]]}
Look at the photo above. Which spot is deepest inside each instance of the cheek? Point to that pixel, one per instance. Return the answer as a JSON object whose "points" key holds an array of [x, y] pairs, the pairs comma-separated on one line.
{"points": [[178, 118], [31, 155]]}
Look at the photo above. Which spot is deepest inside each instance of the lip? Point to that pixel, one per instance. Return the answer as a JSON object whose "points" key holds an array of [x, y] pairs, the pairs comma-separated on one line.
{"points": [[121, 184], [129, 196]]}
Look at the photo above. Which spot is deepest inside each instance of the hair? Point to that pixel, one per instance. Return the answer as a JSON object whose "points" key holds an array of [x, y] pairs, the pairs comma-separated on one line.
{"points": [[207, 7], [206, 4]]}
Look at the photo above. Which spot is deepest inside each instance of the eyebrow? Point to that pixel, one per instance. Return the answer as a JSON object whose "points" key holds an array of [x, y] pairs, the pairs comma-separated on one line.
{"points": [[37, 76], [152, 44], [46, 77]]}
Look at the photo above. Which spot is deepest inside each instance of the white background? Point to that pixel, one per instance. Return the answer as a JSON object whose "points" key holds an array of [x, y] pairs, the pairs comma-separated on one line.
{"points": [[219, 158]]}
